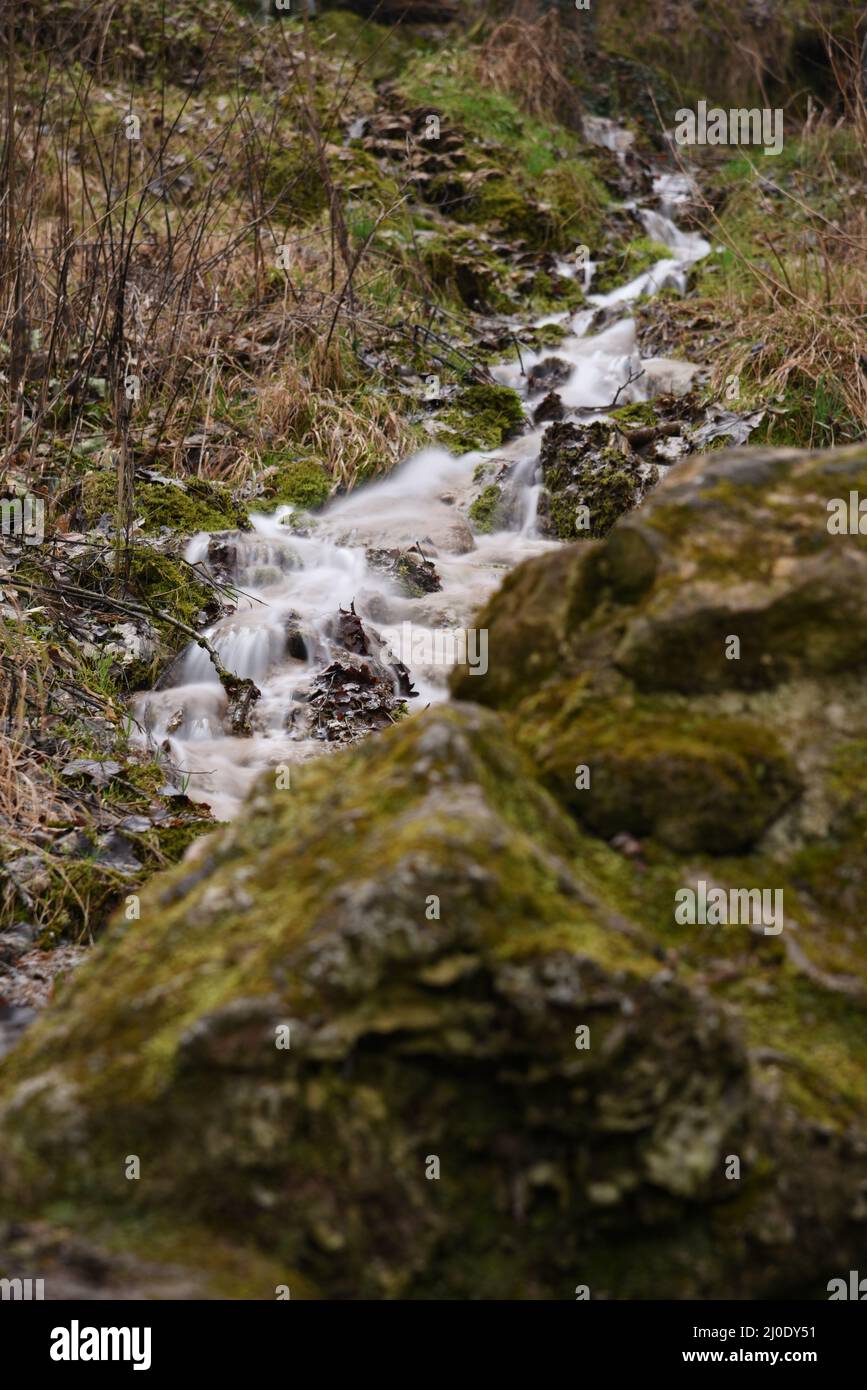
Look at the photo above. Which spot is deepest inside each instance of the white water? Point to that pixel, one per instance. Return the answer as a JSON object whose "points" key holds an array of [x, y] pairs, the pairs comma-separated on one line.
{"points": [[297, 584]]}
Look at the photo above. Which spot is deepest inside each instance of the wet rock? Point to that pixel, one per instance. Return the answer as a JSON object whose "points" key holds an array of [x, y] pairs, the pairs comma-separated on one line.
{"points": [[550, 407], [591, 476], [488, 511], [249, 559], [444, 530], [14, 1020], [413, 573], [362, 691], [242, 696], [550, 372], [349, 632], [480, 417]]}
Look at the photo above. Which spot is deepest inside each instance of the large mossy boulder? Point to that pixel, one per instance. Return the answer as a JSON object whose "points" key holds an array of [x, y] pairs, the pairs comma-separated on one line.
{"points": [[414, 1028], [694, 684]]}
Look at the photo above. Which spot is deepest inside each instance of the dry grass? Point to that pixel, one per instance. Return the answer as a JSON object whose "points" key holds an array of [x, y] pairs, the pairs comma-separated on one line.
{"points": [[21, 800], [189, 260], [351, 433], [800, 305], [792, 284], [524, 59], [22, 707]]}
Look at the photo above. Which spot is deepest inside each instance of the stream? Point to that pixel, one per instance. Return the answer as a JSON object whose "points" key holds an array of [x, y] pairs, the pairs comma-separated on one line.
{"points": [[284, 632]]}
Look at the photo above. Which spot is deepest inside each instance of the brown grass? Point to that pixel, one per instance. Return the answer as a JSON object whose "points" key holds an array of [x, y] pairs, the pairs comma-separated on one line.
{"points": [[524, 58], [159, 258]]}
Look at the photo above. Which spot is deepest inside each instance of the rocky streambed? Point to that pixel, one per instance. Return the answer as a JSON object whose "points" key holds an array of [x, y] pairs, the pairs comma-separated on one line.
{"points": [[457, 940], [347, 617]]}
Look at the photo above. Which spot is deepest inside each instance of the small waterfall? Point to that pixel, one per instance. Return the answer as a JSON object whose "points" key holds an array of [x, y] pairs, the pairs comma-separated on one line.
{"points": [[292, 584]]}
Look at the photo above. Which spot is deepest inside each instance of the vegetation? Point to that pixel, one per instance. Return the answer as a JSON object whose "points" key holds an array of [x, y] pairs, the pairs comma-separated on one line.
{"points": [[253, 262]]}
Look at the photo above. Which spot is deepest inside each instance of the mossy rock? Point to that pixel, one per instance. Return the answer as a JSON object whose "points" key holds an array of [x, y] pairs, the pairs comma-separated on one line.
{"points": [[466, 270], [301, 482], [487, 511], [547, 335], [670, 652], [734, 545], [636, 256], [293, 183], [650, 768], [165, 583], [768, 573], [500, 205], [636, 415], [480, 417], [555, 213], [429, 936], [591, 477], [547, 292], [183, 507]]}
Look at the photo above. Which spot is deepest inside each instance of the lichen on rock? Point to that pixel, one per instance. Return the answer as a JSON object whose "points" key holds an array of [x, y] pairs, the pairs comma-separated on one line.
{"points": [[434, 918]]}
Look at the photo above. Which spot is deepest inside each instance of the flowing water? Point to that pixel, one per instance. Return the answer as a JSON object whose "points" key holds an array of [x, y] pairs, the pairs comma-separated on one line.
{"points": [[283, 633]]}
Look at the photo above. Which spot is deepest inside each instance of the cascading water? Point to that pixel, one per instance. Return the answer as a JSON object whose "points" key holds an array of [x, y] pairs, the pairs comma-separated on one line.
{"points": [[283, 634]]}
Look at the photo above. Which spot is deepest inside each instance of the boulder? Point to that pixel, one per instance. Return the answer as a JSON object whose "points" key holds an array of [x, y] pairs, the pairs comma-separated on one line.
{"points": [[427, 1025]]}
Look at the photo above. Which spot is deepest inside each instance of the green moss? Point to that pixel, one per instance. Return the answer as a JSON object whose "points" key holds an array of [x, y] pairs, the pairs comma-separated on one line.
{"points": [[635, 415], [579, 199], [448, 83], [630, 262], [382, 50], [480, 417], [302, 482], [591, 478], [660, 769], [293, 183], [552, 292], [532, 180], [163, 582], [559, 211], [465, 269], [486, 511], [197, 505], [549, 335], [416, 1032]]}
